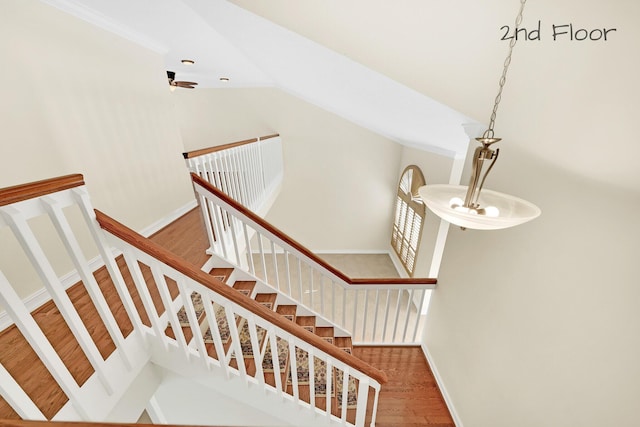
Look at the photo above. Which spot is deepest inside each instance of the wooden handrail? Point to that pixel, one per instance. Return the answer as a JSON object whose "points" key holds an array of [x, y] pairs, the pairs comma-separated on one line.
{"points": [[163, 255], [203, 151], [306, 252], [21, 192]]}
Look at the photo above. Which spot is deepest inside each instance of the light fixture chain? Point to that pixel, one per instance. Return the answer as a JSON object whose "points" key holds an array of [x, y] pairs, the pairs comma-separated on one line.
{"points": [[489, 132]]}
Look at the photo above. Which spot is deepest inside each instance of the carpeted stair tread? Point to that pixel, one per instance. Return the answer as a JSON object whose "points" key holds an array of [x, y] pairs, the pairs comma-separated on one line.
{"points": [[326, 333], [307, 322], [221, 274], [245, 287], [268, 300], [287, 311], [343, 342]]}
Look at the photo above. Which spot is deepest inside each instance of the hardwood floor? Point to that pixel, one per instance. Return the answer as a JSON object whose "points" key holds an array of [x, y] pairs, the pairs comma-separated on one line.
{"points": [[410, 398]]}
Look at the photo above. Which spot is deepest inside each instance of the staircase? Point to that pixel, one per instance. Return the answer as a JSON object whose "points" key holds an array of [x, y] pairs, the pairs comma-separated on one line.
{"points": [[141, 311], [307, 375], [223, 328]]}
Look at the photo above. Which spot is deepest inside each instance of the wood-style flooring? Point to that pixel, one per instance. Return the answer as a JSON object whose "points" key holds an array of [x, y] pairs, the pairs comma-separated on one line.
{"points": [[410, 398]]}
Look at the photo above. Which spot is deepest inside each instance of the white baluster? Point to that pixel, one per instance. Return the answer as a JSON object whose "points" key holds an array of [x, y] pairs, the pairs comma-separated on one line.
{"points": [[363, 394], [375, 316], [52, 283], [275, 359], [91, 285], [386, 317], [82, 198], [312, 380], [294, 369], [275, 265], [41, 345], [255, 348], [194, 322], [366, 309], [288, 271], [145, 297], [395, 323], [235, 339], [212, 322], [406, 319], [419, 315], [163, 290], [17, 399]]}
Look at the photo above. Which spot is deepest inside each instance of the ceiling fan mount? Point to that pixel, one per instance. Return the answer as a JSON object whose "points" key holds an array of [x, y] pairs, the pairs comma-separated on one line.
{"points": [[171, 75]]}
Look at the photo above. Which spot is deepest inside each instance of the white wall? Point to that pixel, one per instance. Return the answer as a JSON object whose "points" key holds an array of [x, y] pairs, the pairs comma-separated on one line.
{"points": [[340, 179], [76, 99]]}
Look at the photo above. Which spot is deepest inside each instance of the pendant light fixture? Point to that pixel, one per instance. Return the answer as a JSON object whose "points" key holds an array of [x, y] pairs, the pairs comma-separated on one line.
{"points": [[473, 207]]}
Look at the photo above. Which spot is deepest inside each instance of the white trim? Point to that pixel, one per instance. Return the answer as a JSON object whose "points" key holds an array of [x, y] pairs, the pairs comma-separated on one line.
{"points": [[397, 264], [40, 297], [443, 390], [163, 222], [351, 251]]}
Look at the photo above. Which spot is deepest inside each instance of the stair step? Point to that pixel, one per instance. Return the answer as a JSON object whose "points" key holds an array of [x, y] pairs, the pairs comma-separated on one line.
{"points": [[287, 311], [343, 342], [221, 274], [268, 300], [326, 333], [245, 287], [307, 322]]}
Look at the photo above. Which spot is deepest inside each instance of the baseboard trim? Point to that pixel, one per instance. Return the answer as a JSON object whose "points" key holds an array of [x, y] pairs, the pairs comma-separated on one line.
{"points": [[350, 251], [40, 297], [443, 390], [163, 222]]}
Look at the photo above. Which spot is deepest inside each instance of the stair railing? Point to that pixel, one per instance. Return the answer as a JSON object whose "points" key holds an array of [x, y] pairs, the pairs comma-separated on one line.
{"points": [[375, 311], [26, 212], [217, 314], [248, 171]]}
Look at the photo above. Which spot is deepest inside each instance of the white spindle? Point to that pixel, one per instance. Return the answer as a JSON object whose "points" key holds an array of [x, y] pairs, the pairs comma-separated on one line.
{"points": [[386, 316], [312, 380], [262, 258], [82, 198], [375, 315], [255, 348], [366, 309], [82, 267], [28, 327], [207, 216], [215, 331], [275, 359], [329, 378], [15, 396], [419, 315], [407, 313], [247, 243], [395, 323], [363, 394], [234, 237], [194, 322], [275, 264], [287, 272], [345, 392], [294, 369], [163, 290], [322, 295], [145, 297], [301, 293], [374, 410], [355, 312], [39, 260], [235, 339]]}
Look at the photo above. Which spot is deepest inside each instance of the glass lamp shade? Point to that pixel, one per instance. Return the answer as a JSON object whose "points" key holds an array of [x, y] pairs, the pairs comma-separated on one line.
{"points": [[499, 210]]}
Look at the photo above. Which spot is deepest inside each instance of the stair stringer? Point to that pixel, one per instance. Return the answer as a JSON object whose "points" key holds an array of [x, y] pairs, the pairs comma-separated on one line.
{"points": [[264, 398], [117, 406]]}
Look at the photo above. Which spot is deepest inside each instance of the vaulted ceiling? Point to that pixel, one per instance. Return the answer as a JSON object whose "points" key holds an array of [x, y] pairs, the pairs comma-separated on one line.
{"points": [[227, 41], [415, 71]]}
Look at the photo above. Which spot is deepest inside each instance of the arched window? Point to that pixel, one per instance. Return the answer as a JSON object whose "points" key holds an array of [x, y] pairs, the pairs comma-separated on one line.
{"points": [[408, 218]]}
